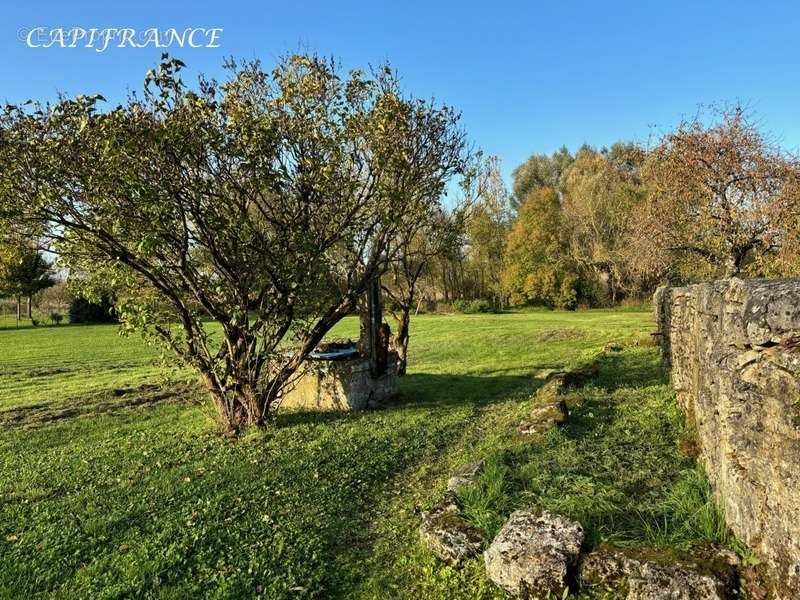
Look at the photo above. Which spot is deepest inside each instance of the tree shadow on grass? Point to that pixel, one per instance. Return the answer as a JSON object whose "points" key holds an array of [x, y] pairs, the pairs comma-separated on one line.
{"points": [[424, 391], [615, 465], [637, 368], [115, 401], [328, 477]]}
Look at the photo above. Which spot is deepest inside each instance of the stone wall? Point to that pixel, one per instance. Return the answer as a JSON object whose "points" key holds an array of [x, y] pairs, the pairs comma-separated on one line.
{"points": [[341, 385], [733, 350]]}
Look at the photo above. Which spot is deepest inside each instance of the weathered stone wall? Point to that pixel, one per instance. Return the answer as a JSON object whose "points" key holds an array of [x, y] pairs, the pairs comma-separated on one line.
{"points": [[341, 385], [733, 350]]}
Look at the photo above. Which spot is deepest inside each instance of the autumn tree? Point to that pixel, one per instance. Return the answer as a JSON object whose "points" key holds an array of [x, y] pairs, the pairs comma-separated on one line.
{"points": [[537, 268], [715, 192], [267, 202], [487, 225], [601, 190], [539, 171], [786, 261]]}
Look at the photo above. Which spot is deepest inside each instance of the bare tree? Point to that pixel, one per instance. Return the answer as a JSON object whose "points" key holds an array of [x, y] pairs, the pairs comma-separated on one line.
{"points": [[435, 235]]}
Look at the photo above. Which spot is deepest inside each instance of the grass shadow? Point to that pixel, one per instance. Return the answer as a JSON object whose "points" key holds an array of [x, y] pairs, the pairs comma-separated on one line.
{"points": [[429, 391], [115, 401], [630, 369], [614, 466]]}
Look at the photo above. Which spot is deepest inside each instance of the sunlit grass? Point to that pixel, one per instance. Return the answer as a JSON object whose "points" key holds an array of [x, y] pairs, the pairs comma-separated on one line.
{"points": [[114, 483]]}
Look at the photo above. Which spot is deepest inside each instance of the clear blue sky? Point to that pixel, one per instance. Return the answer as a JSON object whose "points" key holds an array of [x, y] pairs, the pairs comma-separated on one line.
{"points": [[528, 76]]}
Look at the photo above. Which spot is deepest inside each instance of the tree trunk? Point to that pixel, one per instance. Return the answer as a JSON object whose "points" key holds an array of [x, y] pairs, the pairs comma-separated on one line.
{"points": [[19, 309], [401, 340], [737, 256], [612, 285], [733, 264], [30, 307], [243, 407]]}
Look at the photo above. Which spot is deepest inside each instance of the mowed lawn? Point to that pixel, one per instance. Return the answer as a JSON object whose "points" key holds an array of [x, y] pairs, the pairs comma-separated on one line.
{"points": [[114, 483]]}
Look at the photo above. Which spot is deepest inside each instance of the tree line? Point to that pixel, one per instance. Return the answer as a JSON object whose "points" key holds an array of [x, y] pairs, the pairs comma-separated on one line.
{"points": [[714, 197]]}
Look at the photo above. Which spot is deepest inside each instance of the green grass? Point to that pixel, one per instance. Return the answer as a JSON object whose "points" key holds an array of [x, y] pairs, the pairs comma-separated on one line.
{"points": [[114, 484]]}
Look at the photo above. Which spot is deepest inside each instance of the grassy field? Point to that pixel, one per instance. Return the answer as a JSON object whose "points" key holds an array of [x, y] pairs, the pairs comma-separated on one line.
{"points": [[113, 483]]}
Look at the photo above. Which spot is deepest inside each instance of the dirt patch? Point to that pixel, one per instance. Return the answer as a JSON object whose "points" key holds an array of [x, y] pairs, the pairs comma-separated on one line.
{"points": [[111, 401], [561, 335]]}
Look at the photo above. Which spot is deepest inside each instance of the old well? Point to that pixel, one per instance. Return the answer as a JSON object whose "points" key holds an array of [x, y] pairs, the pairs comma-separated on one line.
{"points": [[349, 375]]}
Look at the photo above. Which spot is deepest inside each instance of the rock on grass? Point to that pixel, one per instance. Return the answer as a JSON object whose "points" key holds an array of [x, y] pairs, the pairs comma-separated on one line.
{"points": [[533, 553], [545, 416], [465, 476], [448, 534], [648, 575]]}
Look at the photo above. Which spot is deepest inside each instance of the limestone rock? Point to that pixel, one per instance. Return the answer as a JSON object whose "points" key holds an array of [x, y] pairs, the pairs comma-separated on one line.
{"points": [[533, 553], [673, 583], [465, 476], [608, 567], [544, 416], [447, 533], [732, 350], [648, 578]]}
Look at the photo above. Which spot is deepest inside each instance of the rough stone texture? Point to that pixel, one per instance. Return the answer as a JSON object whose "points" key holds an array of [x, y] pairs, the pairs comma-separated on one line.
{"points": [[544, 416], [660, 583], [550, 407], [646, 574], [533, 553], [578, 377], [341, 385], [465, 476], [732, 349], [447, 533]]}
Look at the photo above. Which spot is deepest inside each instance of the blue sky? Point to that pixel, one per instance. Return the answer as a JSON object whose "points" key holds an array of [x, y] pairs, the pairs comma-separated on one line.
{"points": [[528, 76]]}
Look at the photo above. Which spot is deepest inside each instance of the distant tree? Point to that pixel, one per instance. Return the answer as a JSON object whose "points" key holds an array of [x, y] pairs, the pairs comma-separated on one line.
{"points": [[83, 310], [716, 192], [438, 233], [786, 262], [23, 273], [267, 202], [601, 190], [56, 298], [486, 227], [537, 268], [539, 171]]}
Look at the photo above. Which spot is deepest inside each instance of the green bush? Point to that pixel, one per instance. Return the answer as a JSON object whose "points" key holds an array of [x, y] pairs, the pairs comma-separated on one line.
{"points": [[481, 306], [459, 306], [471, 307], [56, 318], [82, 310]]}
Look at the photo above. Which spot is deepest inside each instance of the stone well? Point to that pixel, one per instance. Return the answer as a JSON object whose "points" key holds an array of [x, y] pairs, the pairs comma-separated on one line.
{"points": [[343, 384]]}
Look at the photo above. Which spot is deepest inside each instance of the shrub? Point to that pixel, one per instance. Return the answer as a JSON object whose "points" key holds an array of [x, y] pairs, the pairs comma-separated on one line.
{"points": [[566, 298], [56, 318], [82, 310], [470, 307], [480, 306], [460, 306]]}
